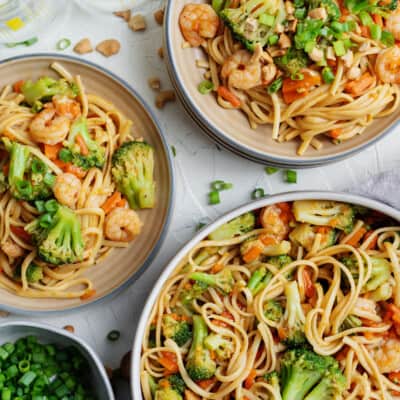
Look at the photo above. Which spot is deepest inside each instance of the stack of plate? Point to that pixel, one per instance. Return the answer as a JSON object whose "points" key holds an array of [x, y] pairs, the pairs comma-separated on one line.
{"points": [[230, 128]]}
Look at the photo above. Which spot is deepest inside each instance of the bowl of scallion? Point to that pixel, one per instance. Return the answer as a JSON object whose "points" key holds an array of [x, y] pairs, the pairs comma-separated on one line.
{"points": [[40, 362]]}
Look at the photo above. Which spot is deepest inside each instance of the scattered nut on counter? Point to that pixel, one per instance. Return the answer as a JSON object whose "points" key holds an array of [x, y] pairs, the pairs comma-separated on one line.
{"points": [[164, 97], [160, 52], [159, 16], [108, 47], [155, 83], [126, 15], [4, 314], [69, 328], [137, 23], [83, 46]]}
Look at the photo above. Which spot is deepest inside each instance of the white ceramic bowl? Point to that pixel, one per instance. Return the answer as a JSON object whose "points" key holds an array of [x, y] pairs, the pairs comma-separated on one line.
{"points": [[11, 331], [283, 197]]}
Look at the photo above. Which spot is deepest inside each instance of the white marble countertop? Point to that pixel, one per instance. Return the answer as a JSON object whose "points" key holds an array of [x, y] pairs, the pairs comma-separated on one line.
{"points": [[197, 163]]}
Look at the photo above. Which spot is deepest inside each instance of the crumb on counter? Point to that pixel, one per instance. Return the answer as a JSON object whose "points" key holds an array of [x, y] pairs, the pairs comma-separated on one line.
{"points": [[160, 52], [137, 23], [126, 15], [159, 16], [84, 46], [164, 97], [108, 47], [155, 83]]}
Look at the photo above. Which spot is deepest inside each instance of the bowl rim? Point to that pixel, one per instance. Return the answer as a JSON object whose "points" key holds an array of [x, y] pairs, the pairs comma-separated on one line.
{"points": [[79, 341], [225, 139], [171, 192], [252, 205]]}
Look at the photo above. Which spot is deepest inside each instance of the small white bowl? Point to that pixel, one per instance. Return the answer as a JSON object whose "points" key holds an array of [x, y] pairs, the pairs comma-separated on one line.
{"points": [[283, 197], [12, 331]]}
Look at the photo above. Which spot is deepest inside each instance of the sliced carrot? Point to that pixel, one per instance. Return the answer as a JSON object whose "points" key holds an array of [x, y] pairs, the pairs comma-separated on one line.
{"points": [[286, 212], [111, 202], [267, 239], [217, 267], [169, 363], [205, 383], [227, 95], [365, 31], [394, 377], [17, 87], [343, 9], [356, 238], [21, 233], [51, 151], [342, 354], [252, 254], [282, 333], [122, 203], [323, 230], [335, 133], [88, 294], [378, 19], [77, 171], [249, 381], [164, 383], [374, 241], [226, 314], [293, 90], [82, 145], [360, 85], [309, 288]]}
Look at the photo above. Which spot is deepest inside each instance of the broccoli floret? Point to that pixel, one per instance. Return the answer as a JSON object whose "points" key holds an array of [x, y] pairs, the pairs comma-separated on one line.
{"points": [[272, 378], [330, 387], [222, 347], [259, 280], [279, 261], [179, 331], [34, 273], [273, 310], [3, 182], [61, 241], [223, 280], [292, 62], [254, 21], [188, 295], [325, 213], [173, 382], [304, 235], [92, 156], [350, 322], [45, 88], [199, 363], [28, 177], [132, 170], [294, 317], [330, 6], [237, 226], [167, 393], [301, 369]]}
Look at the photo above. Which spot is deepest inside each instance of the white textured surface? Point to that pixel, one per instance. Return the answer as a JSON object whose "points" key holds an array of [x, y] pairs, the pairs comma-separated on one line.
{"points": [[198, 162]]}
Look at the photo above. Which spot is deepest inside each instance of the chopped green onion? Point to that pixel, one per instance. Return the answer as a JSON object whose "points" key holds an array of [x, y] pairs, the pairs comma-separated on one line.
{"points": [[38, 166], [51, 206], [63, 44], [45, 220], [339, 48], [39, 204], [271, 170], [300, 13], [173, 149], [200, 225], [327, 75], [375, 31], [338, 26], [205, 87], [49, 179], [309, 46], [24, 365], [266, 19], [257, 193], [218, 5], [113, 336], [213, 197], [24, 188], [291, 176], [365, 18], [221, 185], [275, 86], [273, 39], [387, 38], [26, 43]]}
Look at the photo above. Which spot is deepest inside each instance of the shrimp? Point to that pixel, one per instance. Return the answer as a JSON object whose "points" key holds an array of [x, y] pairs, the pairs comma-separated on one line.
{"points": [[387, 356], [67, 189], [49, 128], [388, 65], [243, 70], [393, 23], [12, 249], [197, 22], [274, 221], [122, 225], [66, 107]]}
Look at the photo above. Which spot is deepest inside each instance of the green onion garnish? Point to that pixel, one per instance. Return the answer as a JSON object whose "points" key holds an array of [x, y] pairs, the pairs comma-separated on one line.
{"points": [[365, 18], [266, 19], [24, 188], [63, 44], [24, 366], [257, 193], [113, 336], [38, 167], [275, 86], [200, 225], [173, 149], [39, 204], [327, 75], [387, 38], [221, 185], [51, 206], [205, 87], [49, 179], [213, 197], [375, 31], [271, 170], [26, 43], [45, 220], [273, 39], [339, 48], [291, 176]]}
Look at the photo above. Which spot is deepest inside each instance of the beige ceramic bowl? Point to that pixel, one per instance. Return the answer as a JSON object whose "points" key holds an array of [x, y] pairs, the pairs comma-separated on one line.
{"points": [[230, 127], [122, 267]]}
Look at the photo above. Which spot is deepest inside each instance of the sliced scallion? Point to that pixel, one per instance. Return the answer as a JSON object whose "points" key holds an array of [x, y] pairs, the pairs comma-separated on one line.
{"points": [[214, 198], [205, 87], [257, 193], [63, 44], [291, 176], [114, 335]]}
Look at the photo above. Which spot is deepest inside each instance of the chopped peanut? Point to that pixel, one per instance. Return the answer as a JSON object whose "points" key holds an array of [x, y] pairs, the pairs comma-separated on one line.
{"points": [[159, 16], [160, 52], [126, 15], [316, 54], [137, 23], [155, 83], [318, 13], [268, 73], [4, 314], [284, 41], [83, 46], [348, 59], [108, 47], [289, 7], [164, 97], [354, 73], [69, 328]]}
